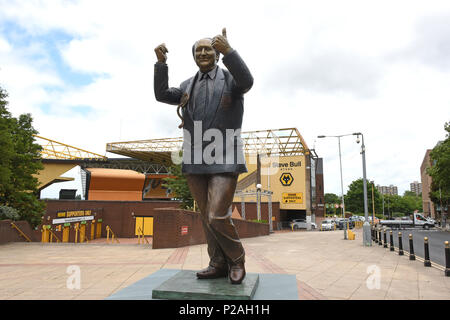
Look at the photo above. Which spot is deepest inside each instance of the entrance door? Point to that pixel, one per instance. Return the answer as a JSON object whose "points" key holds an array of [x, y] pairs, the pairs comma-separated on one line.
{"points": [[65, 235], [98, 233], [82, 232], [92, 229], [145, 224]]}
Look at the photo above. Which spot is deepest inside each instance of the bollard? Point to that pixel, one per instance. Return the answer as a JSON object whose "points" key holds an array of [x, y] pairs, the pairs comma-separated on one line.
{"points": [[384, 237], [412, 256], [374, 234], [447, 259], [400, 244], [380, 241], [427, 262], [392, 241]]}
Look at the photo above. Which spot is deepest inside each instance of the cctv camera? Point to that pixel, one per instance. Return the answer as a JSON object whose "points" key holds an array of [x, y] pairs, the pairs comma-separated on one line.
{"points": [[357, 140]]}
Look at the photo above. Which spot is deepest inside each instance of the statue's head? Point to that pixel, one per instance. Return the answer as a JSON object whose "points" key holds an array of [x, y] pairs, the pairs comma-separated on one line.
{"points": [[205, 56]]}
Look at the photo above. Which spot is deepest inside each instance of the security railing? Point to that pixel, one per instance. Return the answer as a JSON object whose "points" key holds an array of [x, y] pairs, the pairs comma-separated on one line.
{"points": [[141, 236], [113, 236], [14, 226]]}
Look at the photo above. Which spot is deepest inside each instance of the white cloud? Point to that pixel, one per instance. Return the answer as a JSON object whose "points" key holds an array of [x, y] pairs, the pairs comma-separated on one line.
{"points": [[326, 68]]}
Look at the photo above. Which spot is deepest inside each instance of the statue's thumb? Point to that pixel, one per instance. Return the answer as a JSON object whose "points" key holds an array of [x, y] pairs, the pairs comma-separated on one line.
{"points": [[224, 32]]}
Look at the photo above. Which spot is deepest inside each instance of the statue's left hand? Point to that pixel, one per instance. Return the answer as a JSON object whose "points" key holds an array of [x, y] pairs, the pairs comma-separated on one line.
{"points": [[220, 42]]}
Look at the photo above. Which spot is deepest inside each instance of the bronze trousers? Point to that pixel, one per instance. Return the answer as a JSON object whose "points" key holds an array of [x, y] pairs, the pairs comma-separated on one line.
{"points": [[214, 194]]}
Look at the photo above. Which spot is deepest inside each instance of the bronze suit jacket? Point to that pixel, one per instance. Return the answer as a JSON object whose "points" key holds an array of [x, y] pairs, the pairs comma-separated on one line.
{"points": [[212, 145]]}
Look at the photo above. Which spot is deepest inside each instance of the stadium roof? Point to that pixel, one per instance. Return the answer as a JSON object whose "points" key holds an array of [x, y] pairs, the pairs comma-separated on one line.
{"points": [[52, 149], [284, 142]]}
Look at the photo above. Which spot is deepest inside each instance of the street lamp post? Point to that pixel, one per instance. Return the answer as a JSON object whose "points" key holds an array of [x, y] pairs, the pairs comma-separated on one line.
{"points": [[342, 182], [367, 239], [258, 201]]}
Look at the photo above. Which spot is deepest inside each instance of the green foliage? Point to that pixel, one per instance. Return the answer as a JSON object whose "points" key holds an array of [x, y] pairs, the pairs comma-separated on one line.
{"points": [[259, 221], [331, 199], [179, 186], [354, 199], [8, 213], [19, 161], [440, 171], [398, 206]]}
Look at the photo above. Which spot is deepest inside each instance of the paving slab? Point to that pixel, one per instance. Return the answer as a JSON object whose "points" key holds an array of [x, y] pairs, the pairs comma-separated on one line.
{"points": [[329, 266], [270, 287]]}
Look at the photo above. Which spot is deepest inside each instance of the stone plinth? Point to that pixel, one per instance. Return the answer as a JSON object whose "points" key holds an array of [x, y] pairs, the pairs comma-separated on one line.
{"points": [[185, 286]]}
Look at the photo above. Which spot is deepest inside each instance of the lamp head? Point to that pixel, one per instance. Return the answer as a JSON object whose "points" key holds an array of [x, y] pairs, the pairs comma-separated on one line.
{"points": [[320, 136]]}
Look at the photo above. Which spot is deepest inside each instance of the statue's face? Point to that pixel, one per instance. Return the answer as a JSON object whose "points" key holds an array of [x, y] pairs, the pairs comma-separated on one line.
{"points": [[205, 55]]}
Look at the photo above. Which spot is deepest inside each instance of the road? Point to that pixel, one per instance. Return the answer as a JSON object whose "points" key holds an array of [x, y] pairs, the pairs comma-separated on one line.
{"points": [[436, 239]]}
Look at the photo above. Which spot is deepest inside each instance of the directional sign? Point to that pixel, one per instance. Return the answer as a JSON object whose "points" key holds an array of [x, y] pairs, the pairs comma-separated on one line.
{"points": [[292, 197], [286, 179]]}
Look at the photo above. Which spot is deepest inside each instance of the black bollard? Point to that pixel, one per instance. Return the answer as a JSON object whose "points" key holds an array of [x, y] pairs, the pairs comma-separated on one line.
{"points": [[380, 241], [376, 234], [373, 236], [427, 262], [391, 248], [384, 242], [447, 259], [412, 256], [400, 244]]}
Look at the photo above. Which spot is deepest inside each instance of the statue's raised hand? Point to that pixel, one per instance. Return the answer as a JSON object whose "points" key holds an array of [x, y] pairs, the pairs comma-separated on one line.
{"points": [[161, 53], [220, 42]]}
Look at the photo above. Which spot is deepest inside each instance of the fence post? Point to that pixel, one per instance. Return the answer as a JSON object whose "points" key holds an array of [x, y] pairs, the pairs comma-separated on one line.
{"points": [[447, 259], [76, 232], [380, 242], [400, 244], [384, 237], [427, 262], [391, 248], [412, 256]]}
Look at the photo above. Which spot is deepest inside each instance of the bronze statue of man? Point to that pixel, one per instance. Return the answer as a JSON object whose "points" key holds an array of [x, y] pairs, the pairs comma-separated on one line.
{"points": [[212, 104]]}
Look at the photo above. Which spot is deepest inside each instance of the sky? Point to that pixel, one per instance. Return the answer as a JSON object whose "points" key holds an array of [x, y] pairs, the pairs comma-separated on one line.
{"points": [[84, 70]]}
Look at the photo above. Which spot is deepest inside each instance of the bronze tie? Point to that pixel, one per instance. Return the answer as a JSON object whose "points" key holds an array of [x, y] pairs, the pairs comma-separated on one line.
{"points": [[201, 101]]}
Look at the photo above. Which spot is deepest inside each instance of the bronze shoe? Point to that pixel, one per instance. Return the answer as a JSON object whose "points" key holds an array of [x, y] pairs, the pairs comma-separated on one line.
{"points": [[237, 273], [212, 273]]}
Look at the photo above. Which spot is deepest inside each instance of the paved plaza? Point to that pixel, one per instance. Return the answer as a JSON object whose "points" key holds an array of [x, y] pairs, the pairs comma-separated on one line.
{"points": [[325, 265]]}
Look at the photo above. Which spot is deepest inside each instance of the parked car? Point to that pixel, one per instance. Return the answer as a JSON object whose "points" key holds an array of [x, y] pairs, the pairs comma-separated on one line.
{"points": [[357, 218], [301, 224], [327, 224], [351, 224]]}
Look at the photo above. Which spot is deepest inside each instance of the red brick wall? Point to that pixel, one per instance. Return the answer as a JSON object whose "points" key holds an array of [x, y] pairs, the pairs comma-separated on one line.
{"points": [[118, 215], [168, 224], [251, 212], [9, 234]]}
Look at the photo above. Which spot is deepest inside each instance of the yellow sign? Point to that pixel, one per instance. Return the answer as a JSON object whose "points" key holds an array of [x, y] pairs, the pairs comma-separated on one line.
{"points": [[283, 174], [292, 197], [78, 213]]}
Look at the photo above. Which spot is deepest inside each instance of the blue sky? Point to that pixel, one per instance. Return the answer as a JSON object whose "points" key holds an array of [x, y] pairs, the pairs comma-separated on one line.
{"points": [[326, 68]]}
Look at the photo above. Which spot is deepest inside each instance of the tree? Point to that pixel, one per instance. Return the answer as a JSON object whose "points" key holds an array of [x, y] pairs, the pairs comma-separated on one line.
{"points": [[354, 199], [413, 201], [331, 199], [440, 171], [178, 185], [8, 213], [19, 161]]}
